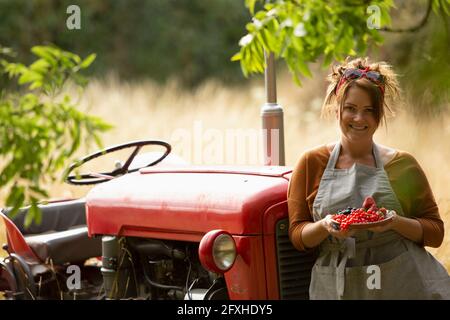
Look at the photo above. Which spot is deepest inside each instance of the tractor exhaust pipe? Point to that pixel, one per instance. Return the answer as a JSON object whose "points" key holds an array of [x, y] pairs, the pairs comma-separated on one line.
{"points": [[272, 118]]}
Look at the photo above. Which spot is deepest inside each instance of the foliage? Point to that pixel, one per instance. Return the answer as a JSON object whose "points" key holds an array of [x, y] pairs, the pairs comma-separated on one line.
{"points": [[300, 32], [188, 39], [193, 40], [40, 128]]}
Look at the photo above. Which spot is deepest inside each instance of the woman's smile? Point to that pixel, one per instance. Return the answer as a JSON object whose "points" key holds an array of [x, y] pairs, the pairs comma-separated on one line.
{"points": [[358, 128]]}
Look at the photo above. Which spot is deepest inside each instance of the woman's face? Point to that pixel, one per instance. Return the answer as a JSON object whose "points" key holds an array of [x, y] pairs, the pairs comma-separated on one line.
{"points": [[358, 122]]}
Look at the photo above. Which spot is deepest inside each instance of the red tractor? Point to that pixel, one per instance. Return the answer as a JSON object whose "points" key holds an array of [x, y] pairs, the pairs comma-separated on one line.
{"points": [[162, 232], [151, 230]]}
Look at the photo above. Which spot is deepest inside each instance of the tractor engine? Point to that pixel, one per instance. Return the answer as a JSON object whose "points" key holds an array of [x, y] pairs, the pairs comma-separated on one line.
{"points": [[139, 268]]}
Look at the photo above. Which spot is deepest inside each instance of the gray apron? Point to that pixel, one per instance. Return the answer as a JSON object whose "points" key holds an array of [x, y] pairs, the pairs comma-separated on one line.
{"points": [[370, 265]]}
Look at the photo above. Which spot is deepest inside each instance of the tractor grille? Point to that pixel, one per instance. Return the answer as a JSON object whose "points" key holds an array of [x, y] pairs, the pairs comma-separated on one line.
{"points": [[294, 267]]}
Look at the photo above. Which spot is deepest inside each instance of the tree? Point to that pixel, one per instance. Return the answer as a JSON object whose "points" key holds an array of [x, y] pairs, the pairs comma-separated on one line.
{"points": [[40, 127], [301, 31]]}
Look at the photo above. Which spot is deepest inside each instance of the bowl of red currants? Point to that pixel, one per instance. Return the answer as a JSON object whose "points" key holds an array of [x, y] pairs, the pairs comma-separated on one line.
{"points": [[368, 216]]}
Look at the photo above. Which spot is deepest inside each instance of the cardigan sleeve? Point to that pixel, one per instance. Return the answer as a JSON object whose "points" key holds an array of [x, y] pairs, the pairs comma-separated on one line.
{"points": [[299, 212], [413, 190]]}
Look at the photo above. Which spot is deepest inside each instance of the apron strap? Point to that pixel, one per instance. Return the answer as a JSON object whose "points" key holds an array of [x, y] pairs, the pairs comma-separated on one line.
{"points": [[334, 156], [377, 157]]}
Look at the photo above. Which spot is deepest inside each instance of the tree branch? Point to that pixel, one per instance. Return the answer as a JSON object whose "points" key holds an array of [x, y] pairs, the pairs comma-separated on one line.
{"points": [[415, 28]]}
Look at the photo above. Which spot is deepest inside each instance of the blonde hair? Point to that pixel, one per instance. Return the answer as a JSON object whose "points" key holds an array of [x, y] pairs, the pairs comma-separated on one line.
{"points": [[382, 99]]}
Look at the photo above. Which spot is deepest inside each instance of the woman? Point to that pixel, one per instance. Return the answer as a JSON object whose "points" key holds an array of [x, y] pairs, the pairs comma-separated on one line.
{"points": [[385, 262]]}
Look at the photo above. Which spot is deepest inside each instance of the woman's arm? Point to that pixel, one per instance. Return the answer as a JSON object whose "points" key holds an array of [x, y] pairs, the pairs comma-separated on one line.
{"points": [[313, 233], [421, 222], [299, 214], [407, 227]]}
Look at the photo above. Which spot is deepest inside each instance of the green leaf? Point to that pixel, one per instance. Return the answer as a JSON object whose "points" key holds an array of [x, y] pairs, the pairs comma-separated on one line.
{"points": [[236, 57], [303, 67], [40, 66], [36, 84], [45, 53], [39, 191], [327, 60], [34, 213], [98, 141], [16, 196], [296, 78], [14, 69], [30, 76], [250, 4], [88, 61]]}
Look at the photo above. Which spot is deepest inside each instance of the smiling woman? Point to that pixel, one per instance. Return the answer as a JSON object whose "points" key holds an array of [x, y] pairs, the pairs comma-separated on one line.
{"points": [[358, 118], [339, 175]]}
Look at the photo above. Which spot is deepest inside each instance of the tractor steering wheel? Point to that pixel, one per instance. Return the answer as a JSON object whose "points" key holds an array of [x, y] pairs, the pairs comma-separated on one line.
{"points": [[94, 178]]}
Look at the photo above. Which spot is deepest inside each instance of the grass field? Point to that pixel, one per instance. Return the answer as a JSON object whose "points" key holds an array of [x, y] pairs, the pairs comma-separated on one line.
{"points": [[213, 112]]}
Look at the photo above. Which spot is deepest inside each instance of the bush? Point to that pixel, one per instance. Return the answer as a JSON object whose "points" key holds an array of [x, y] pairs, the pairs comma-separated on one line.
{"points": [[40, 129]]}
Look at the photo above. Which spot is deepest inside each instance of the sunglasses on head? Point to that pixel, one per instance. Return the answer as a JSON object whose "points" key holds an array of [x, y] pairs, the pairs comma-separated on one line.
{"points": [[352, 74]]}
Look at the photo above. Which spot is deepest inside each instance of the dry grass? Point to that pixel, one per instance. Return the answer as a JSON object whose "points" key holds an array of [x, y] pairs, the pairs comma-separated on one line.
{"points": [[148, 111]]}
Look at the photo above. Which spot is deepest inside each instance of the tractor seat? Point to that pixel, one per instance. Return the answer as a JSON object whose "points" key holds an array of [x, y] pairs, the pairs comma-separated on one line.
{"points": [[57, 216], [62, 234], [72, 245]]}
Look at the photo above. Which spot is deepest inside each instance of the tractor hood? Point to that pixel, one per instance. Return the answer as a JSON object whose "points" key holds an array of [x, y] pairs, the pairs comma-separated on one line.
{"points": [[189, 200]]}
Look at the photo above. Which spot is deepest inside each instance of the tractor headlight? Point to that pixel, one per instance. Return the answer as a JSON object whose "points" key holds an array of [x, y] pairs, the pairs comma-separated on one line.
{"points": [[224, 251], [217, 251]]}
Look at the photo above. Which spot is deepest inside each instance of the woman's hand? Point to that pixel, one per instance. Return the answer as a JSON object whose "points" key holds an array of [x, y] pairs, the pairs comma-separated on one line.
{"points": [[388, 226], [327, 223]]}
